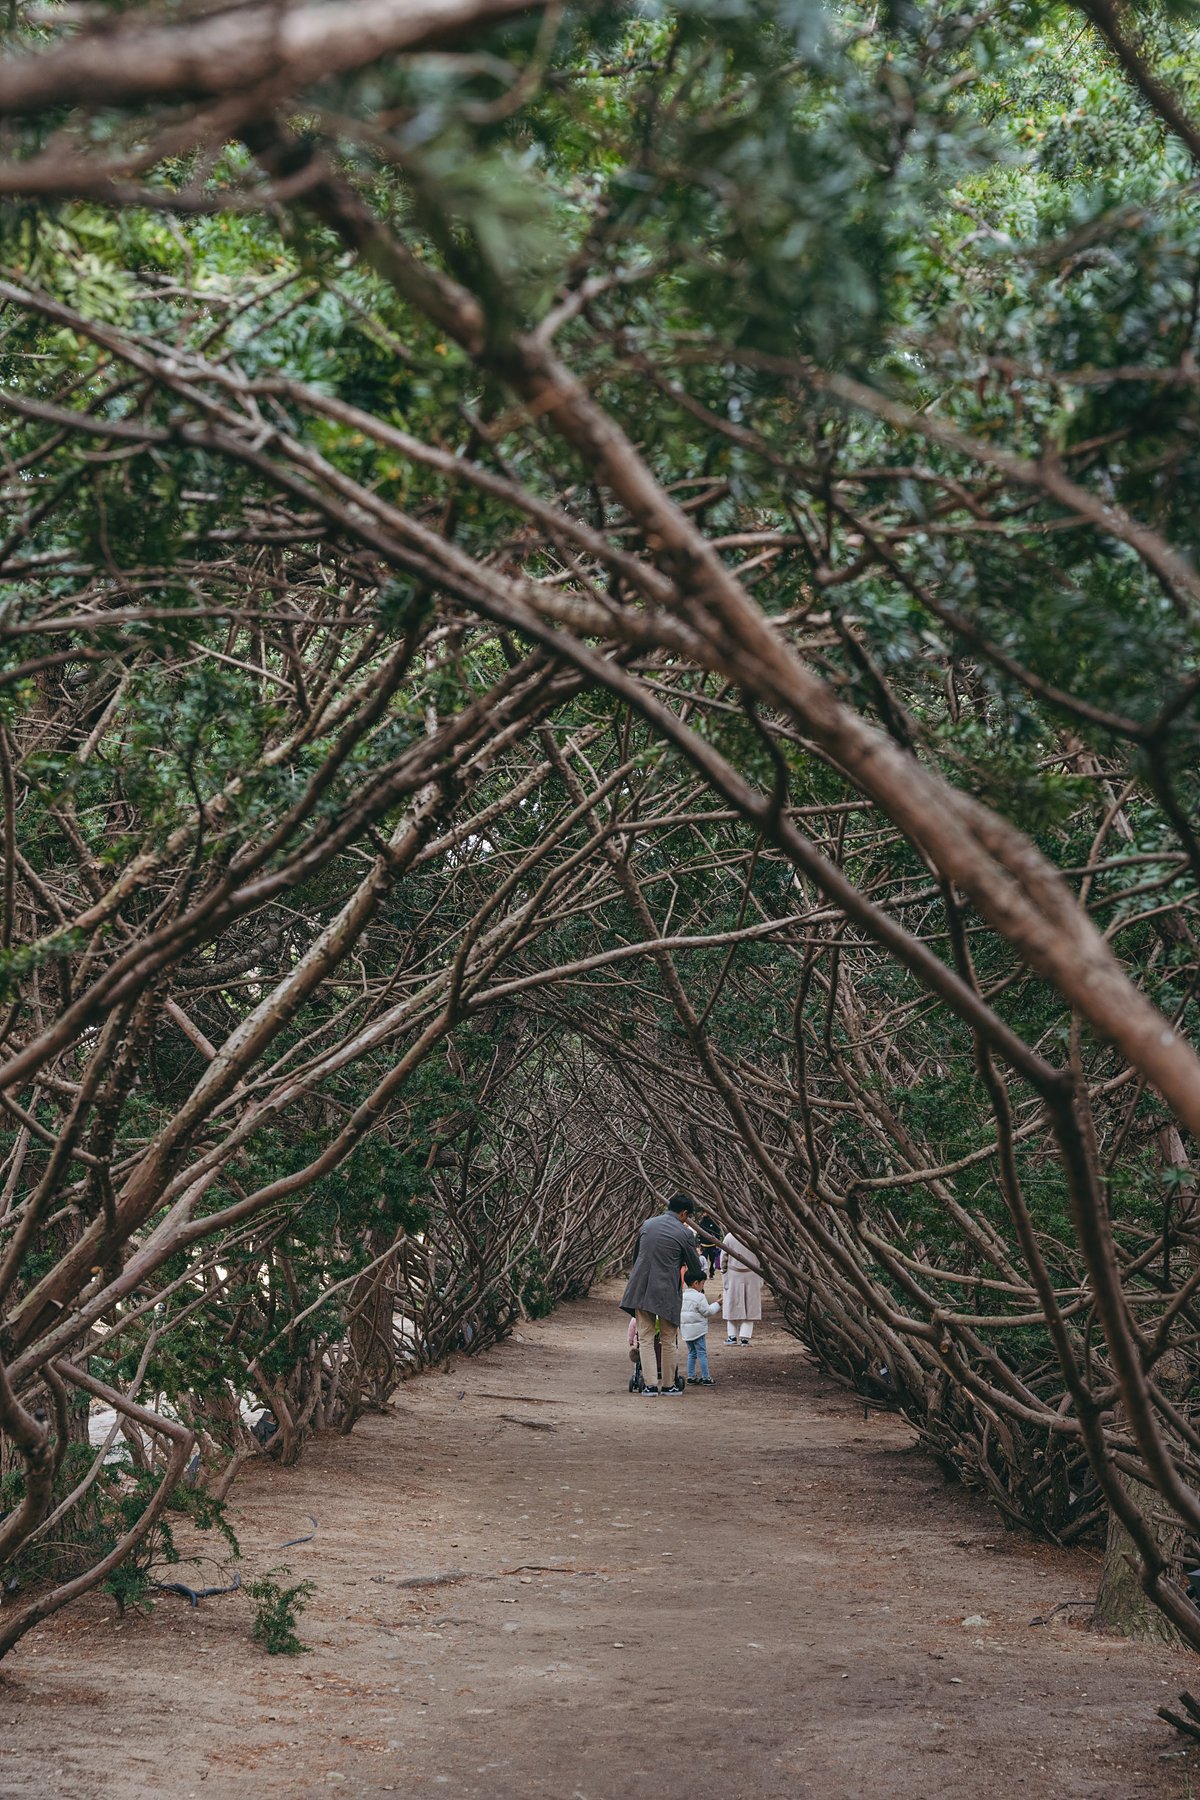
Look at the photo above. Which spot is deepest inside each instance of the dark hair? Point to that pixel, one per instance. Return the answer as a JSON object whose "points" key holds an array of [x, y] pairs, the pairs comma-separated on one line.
{"points": [[680, 1203], [697, 1280]]}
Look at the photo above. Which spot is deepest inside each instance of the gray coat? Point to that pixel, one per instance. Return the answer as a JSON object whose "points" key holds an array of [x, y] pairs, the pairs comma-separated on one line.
{"points": [[665, 1248]]}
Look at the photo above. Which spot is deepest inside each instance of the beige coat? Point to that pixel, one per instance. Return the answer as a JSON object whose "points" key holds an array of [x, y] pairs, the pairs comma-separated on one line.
{"points": [[740, 1281]]}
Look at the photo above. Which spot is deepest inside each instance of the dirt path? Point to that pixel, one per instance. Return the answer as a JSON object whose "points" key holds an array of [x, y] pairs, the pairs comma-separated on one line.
{"points": [[747, 1592]]}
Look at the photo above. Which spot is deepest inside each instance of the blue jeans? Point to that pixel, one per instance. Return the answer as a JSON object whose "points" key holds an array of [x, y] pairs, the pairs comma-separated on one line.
{"points": [[698, 1358]]}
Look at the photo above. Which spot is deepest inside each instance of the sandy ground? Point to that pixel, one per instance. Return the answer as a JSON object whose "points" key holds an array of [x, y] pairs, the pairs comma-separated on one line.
{"points": [[748, 1592]]}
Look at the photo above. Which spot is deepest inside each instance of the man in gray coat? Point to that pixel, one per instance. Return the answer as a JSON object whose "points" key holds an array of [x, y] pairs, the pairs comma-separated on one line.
{"points": [[655, 1292]]}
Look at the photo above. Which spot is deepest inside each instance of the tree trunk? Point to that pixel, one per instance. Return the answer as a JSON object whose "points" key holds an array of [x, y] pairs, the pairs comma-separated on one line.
{"points": [[1121, 1604]]}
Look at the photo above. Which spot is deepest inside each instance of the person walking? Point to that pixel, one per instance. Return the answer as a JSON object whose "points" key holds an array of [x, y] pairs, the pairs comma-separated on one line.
{"points": [[709, 1233], [741, 1284], [654, 1293]]}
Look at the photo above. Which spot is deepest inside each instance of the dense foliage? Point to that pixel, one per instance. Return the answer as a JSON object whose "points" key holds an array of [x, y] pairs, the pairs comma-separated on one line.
{"points": [[595, 600]]}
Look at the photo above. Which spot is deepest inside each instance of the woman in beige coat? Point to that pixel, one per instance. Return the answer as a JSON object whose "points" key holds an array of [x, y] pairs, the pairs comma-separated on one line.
{"points": [[741, 1285]]}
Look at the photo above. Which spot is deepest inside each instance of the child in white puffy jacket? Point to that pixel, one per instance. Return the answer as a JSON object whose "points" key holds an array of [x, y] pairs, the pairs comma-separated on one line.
{"points": [[693, 1325]]}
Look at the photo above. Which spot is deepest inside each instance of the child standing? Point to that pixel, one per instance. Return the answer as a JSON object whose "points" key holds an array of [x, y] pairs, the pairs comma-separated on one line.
{"points": [[693, 1324]]}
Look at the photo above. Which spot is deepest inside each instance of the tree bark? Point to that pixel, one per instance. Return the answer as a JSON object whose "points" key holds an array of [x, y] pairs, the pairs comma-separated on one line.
{"points": [[1121, 1604]]}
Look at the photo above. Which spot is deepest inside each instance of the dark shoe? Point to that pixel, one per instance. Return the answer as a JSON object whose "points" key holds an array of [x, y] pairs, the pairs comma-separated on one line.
{"points": [[649, 1393], [731, 1340], [676, 1389], [703, 1381]]}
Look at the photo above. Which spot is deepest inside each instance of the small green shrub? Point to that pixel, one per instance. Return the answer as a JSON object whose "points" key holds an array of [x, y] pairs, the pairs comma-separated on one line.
{"points": [[278, 1608], [132, 1583], [112, 1505]]}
